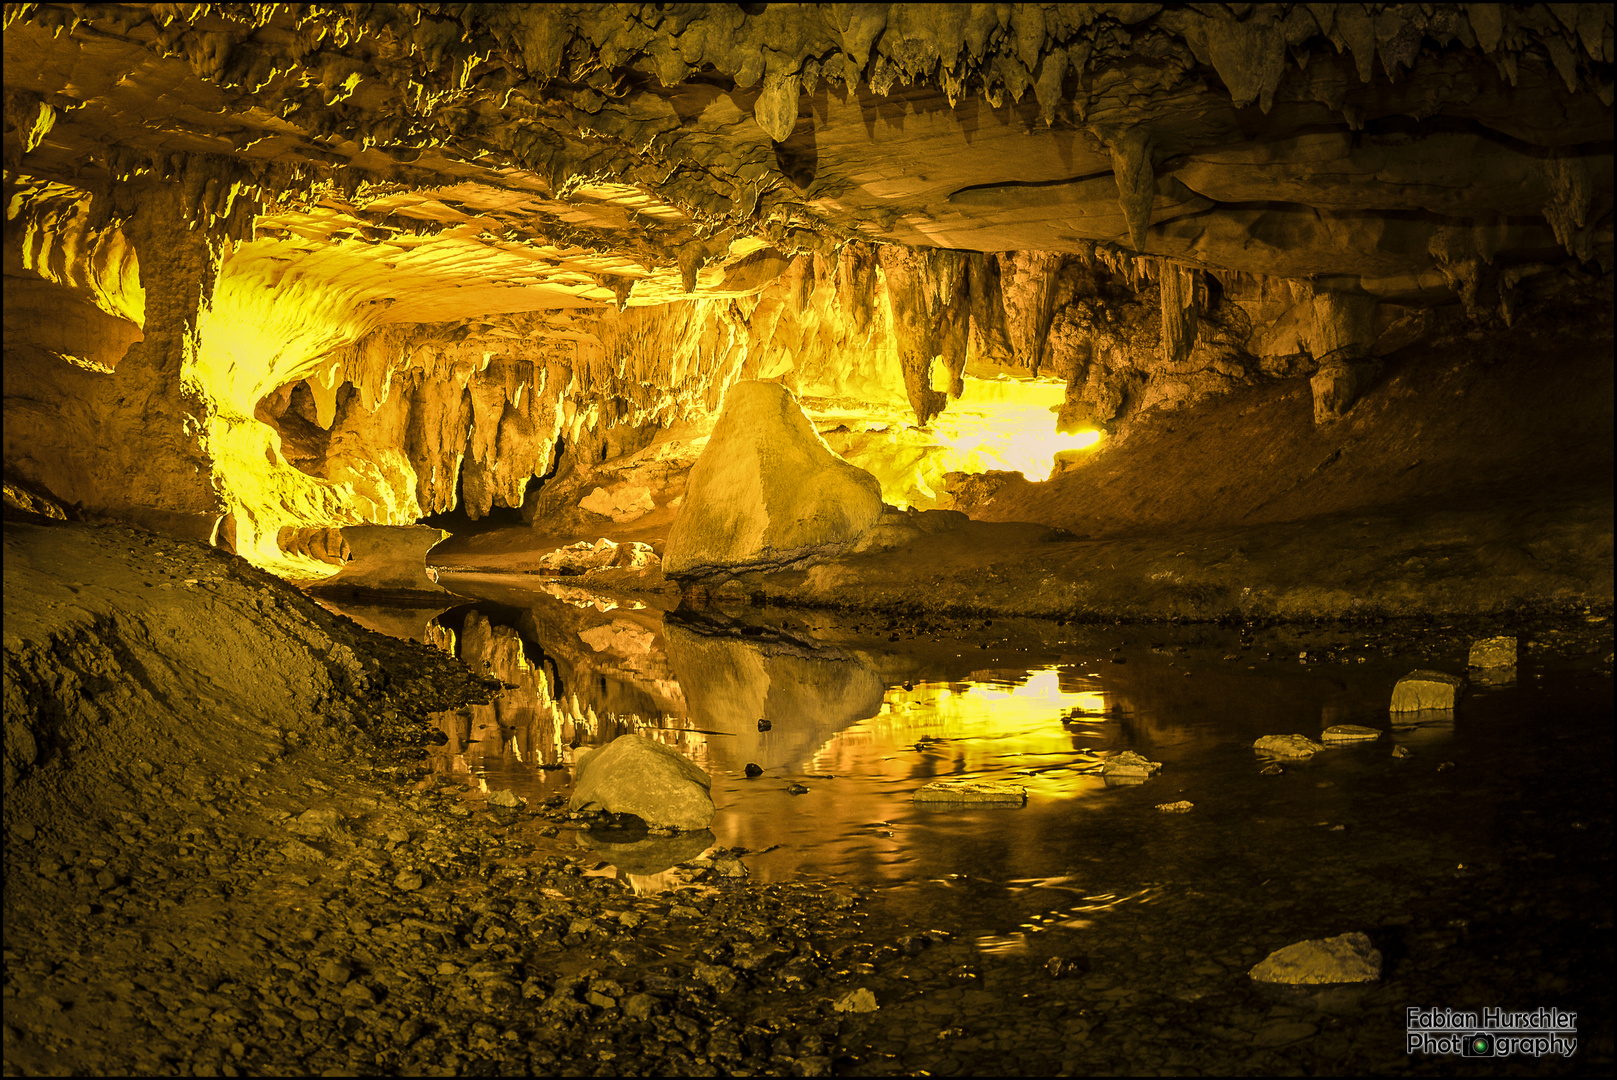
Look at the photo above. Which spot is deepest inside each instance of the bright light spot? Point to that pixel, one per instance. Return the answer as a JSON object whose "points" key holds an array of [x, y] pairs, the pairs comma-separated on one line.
{"points": [[996, 424]]}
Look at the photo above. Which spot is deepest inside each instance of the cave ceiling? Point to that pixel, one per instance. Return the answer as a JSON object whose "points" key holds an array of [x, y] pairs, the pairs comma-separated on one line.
{"points": [[358, 263], [574, 144]]}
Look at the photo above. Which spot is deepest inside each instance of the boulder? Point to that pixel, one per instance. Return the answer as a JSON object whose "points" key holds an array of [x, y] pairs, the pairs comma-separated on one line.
{"points": [[1288, 746], [640, 776], [767, 493], [1349, 958], [388, 558], [1493, 653], [1422, 690]]}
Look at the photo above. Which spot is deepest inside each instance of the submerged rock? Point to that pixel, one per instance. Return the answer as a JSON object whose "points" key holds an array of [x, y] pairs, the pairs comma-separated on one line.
{"points": [[1349, 958], [1288, 746], [1422, 690], [636, 775], [767, 492], [1126, 765], [1349, 733], [972, 791]]}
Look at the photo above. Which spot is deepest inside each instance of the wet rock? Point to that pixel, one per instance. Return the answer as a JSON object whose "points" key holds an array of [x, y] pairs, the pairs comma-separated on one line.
{"points": [[1181, 807], [505, 798], [1272, 769], [1126, 765], [860, 1000], [753, 771], [767, 492], [316, 823], [1288, 746], [1493, 653], [652, 781], [1349, 733], [1401, 751], [639, 1007], [1349, 958], [1422, 690], [797, 789], [996, 792], [651, 855]]}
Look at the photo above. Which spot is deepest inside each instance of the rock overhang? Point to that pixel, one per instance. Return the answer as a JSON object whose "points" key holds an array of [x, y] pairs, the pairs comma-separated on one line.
{"points": [[392, 197]]}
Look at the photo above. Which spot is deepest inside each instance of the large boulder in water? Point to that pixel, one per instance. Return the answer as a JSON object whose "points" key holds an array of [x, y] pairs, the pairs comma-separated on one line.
{"points": [[640, 776], [767, 492]]}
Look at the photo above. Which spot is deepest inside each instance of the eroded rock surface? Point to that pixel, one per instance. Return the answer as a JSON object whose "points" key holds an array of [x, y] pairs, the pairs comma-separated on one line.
{"points": [[767, 493]]}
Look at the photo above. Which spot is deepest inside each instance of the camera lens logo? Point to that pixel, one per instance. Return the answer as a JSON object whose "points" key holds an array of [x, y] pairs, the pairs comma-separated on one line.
{"points": [[1478, 1046]]}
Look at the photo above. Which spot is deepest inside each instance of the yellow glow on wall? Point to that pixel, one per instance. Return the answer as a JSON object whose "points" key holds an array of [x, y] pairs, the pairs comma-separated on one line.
{"points": [[996, 424], [261, 331]]}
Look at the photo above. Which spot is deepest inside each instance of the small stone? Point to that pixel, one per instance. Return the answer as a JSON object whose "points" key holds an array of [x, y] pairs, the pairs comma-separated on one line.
{"points": [[335, 971], [360, 993], [639, 1007], [753, 770], [1180, 807], [1349, 958], [1423, 690], [24, 832], [505, 798], [408, 881], [1445, 766], [1494, 652], [1349, 733], [764, 725], [1401, 751], [105, 880], [856, 1001], [1288, 746], [1272, 769], [797, 789]]}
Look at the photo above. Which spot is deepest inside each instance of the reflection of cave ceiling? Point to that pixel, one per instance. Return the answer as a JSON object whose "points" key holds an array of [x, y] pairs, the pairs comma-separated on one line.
{"points": [[317, 265]]}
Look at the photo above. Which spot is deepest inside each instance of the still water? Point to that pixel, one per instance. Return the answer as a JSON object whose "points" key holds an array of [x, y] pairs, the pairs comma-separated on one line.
{"points": [[1494, 829]]}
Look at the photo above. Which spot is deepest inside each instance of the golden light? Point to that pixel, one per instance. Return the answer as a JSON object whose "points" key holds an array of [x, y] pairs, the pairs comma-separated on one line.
{"points": [[1000, 423]]}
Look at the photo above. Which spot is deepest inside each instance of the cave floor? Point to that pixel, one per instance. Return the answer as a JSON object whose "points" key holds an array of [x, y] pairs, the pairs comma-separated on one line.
{"points": [[207, 875]]}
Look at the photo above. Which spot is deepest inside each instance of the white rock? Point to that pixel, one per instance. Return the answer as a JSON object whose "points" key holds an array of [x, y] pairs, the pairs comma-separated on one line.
{"points": [[1349, 733], [651, 780], [1422, 690], [767, 492], [1349, 958], [1494, 652], [1288, 746], [972, 791]]}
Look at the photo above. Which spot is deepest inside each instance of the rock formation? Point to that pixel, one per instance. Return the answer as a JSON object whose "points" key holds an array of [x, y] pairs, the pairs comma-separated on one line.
{"points": [[386, 263], [767, 492]]}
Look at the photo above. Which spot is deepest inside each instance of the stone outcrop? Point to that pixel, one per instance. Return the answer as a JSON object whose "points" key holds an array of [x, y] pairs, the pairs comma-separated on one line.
{"points": [[387, 558], [652, 781], [767, 492], [1349, 958], [1424, 690]]}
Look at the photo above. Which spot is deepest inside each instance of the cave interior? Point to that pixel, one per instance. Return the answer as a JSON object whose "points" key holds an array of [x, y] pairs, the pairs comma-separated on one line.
{"points": [[365, 363]]}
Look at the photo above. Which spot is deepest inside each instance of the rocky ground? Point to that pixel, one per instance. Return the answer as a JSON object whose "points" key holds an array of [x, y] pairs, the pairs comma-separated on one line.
{"points": [[225, 853]]}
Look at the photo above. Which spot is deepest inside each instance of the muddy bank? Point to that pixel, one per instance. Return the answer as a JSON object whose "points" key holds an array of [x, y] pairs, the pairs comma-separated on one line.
{"points": [[1541, 560]]}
